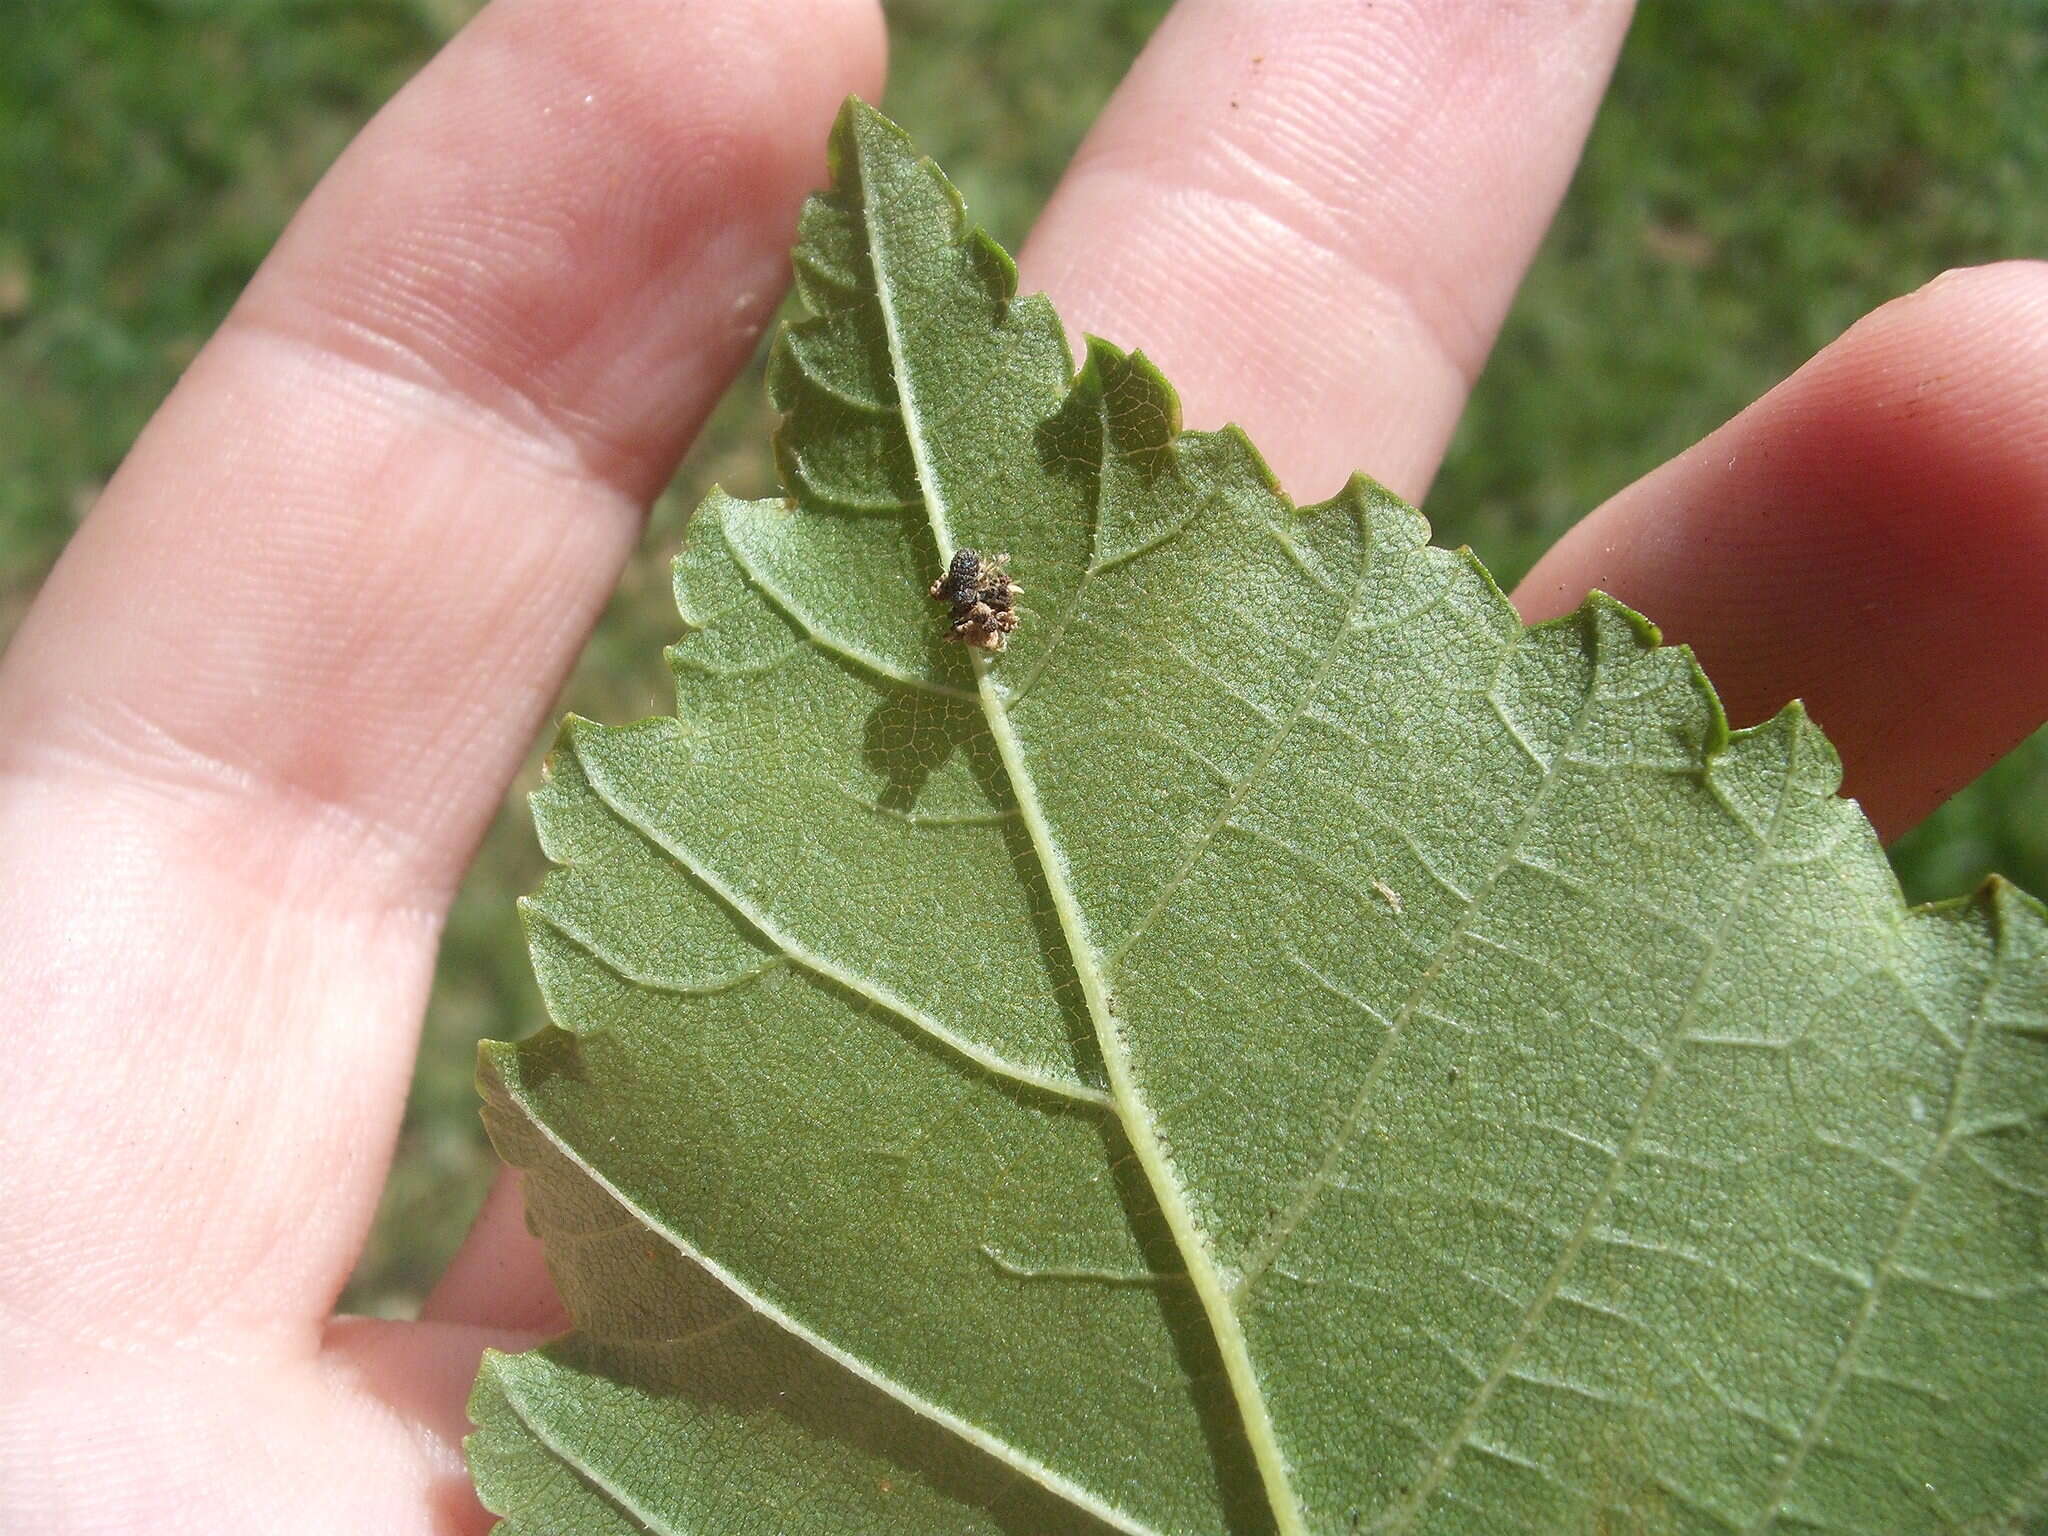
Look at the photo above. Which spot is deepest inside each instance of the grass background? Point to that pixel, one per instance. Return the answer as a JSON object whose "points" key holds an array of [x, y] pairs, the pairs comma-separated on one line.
{"points": [[1764, 172]]}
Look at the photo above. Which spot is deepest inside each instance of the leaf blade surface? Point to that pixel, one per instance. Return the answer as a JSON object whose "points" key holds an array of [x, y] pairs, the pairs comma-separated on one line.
{"points": [[1280, 1047]]}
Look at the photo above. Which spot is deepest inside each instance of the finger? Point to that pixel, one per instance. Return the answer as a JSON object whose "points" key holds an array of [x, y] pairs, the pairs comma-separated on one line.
{"points": [[257, 719], [364, 1438], [1312, 214], [1870, 536], [499, 1277]]}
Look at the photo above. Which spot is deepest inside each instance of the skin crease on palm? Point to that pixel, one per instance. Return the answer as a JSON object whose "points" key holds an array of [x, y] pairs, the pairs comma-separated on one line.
{"points": [[260, 715]]}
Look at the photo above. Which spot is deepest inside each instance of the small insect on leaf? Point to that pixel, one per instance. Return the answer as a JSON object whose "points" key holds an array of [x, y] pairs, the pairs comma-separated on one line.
{"points": [[983, 599]]}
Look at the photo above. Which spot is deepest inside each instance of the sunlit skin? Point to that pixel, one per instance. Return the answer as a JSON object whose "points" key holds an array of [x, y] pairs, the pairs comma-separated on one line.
{"points": [[260, 714]]}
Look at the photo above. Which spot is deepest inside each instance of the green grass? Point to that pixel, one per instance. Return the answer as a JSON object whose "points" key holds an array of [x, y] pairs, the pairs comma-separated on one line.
{"points": [[1764, 172]]}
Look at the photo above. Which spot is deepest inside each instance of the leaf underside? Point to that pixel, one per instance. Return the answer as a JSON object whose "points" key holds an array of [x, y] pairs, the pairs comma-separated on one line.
{"points": [[1281, 1047]]}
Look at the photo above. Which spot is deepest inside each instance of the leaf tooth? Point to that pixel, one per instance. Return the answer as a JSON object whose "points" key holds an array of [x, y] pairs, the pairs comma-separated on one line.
{"points": [[828, 265], [817, 490], [539, 912], [815, 355]]}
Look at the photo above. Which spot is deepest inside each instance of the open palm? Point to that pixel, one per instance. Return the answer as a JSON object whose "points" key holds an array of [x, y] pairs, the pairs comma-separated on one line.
{"points": [[260, 715]]}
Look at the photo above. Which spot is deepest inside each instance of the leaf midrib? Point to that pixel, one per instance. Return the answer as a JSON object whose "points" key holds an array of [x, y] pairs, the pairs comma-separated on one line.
{"points": [[1128, 1102]]}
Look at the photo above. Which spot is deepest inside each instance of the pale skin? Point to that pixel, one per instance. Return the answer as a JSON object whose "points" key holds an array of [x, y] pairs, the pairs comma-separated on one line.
{"points": [[259, 716]]}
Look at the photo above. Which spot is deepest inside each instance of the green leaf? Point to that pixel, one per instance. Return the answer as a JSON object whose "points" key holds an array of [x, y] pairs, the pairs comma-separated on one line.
{"points": [[1280, 1047]]}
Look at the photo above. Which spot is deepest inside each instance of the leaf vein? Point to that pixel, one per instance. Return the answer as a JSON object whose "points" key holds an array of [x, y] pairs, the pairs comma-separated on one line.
{"points": [[1088, 967], [787, 604], [1263, 1252], [1403, 1515], [583, 1471], [818, 965], [1001, 1450], [1886, 1266], [1282, 728]]}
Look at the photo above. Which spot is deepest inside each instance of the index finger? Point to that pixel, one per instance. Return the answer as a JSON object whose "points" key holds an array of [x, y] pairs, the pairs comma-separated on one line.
{"points": [[275, 688]]}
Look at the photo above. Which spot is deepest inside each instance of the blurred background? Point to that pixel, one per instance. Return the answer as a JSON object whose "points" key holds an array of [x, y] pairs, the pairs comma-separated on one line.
{"points": [[1763, 173]]}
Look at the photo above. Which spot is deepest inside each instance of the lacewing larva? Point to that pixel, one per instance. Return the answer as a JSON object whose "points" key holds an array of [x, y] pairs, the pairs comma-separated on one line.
{"points": [[982, 598]]}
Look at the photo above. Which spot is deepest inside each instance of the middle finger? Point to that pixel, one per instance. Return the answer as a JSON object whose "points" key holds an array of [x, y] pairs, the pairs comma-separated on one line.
{"points": [[1313, 216]]}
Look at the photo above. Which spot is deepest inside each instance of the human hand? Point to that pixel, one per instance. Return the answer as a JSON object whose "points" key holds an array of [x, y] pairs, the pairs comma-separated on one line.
{"points": [[265, 706]]}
